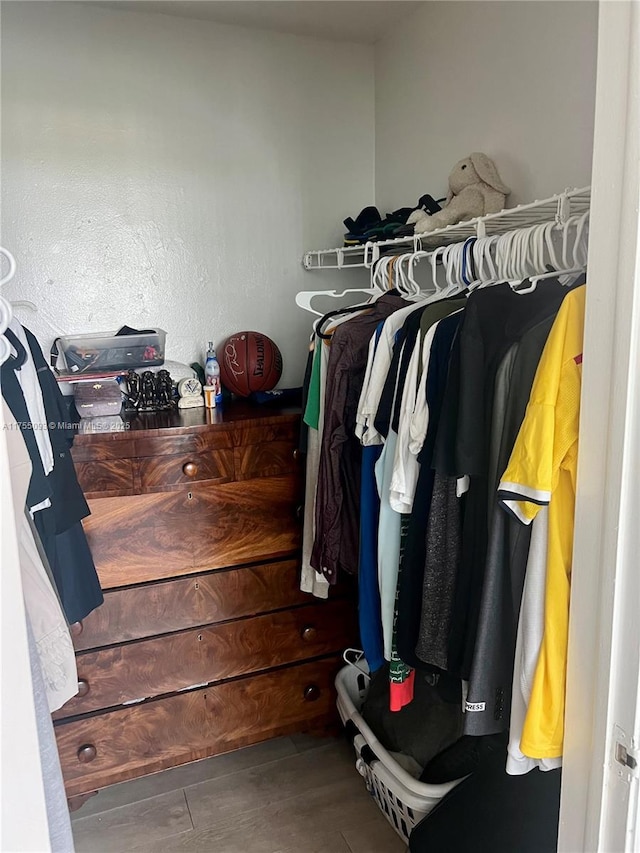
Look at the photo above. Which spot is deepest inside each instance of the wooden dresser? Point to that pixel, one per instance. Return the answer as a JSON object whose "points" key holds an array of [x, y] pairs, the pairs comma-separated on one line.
{"points": [[205, 642]]}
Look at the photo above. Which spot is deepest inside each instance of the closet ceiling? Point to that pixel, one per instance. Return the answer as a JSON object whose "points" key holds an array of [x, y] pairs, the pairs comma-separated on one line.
{"points": [[342, 20]]}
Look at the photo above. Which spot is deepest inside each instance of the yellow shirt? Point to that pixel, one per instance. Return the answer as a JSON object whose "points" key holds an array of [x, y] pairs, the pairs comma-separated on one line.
{"points": [[542, 470]]}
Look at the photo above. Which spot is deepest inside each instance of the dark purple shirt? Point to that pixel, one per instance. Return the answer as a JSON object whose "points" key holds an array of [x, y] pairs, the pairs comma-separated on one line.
{"points": [[338, 491]]}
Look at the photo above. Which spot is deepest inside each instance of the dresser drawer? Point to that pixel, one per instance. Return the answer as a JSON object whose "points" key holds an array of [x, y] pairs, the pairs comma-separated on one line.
{"points": [[108, 477], [140, 537], [282, 431], [266, 459], [159, 471], [103, 447], [206, 526], [184, 443], [157, 608], [237, 523], [128, 742], [148, 668]]}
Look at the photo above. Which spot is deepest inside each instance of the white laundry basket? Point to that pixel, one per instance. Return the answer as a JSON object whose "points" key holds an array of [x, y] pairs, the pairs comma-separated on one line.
{"points": [[402, 799]]}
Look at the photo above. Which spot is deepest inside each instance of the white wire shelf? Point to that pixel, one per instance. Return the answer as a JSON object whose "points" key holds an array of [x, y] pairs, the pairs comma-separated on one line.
{"points": [[558, 208]]}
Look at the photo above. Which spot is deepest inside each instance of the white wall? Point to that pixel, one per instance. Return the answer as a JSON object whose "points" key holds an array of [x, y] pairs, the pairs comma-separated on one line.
{"points": [[513, 79], [171, 172]]}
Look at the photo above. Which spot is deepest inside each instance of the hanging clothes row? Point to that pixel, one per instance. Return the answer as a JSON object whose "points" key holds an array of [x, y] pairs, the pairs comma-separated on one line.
{"points": [[442, 447], [38, 654], [59, 576]]}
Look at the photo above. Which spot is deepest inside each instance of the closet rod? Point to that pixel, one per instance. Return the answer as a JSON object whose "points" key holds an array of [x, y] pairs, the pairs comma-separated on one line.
{"points": [[558, 208]]}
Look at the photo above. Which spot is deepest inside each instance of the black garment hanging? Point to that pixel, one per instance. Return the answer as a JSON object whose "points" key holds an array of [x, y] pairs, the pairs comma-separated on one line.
{"points": [[58, 526], [404, 342], [39, 488], [72, 566], [492, 669], [69, 505], [494, 319], [410, 593]]}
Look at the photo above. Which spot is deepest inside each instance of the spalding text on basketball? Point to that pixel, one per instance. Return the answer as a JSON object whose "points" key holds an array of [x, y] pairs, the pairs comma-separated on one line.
{"points": [[258, 370]]}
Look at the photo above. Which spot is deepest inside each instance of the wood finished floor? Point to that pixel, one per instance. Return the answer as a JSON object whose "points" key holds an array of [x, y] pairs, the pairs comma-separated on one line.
{"points": [[290, 795]]}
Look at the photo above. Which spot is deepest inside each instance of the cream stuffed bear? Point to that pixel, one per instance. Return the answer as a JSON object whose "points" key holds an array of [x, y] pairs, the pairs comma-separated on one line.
{"points": [[475, 189]]}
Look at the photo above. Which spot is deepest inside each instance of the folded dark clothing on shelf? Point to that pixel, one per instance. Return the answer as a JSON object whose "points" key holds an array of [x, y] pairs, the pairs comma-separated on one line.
{"points": [[367, 217]]}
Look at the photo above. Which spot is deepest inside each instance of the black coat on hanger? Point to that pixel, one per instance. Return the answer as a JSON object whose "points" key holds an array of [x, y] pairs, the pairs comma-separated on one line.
{"points": [[59, 526], [39, 487]]}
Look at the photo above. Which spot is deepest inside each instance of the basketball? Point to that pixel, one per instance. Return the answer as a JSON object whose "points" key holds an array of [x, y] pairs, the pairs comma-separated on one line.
{"points": [[249, 361]]}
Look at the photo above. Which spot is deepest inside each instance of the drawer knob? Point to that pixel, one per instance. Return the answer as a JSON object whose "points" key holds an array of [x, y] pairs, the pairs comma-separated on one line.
{"points": [[309, 633], [76, 629], [190, 469], [311, 693], [300, 512], [296, 454], [83, 687], [87, 753]]}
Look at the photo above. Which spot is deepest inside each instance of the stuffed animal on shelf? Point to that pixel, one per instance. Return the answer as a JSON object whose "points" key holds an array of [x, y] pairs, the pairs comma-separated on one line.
{"points": [[475, 189]]}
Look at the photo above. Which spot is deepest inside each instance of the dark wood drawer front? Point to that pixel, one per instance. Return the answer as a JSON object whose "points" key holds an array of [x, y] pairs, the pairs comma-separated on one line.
{"points": [[124, 743], [209, 526], [287, 431], [240, 522], [105, 478], [103, 448], [162, 471], [192, 442], [139, 538], [144, 611], [149, 668], [268, 459]]}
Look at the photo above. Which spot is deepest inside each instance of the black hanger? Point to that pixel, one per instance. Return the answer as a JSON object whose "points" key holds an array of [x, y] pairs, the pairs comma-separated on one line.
{"points": [[16, 361], [339, 312]]}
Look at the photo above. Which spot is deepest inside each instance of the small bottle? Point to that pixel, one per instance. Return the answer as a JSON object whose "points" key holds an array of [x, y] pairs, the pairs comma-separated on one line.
{"points": [[212, 373]]}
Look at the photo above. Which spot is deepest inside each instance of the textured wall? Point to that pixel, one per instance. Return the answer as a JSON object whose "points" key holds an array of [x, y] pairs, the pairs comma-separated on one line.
{"points": [[513, 79], [170, 172]]}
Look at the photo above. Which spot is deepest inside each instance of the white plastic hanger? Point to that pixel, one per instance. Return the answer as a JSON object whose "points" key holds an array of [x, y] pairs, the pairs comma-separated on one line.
{"points": [[486, 273], [6, 313], [452, 263], [305, 297], [520, 266], [529, 257], [506, 258], [578, 254], [438, 291], [573, 220], [413, 288], [377, 288], [580, 246], [405, 282], [579, 250], [484, 262], [414, 258], [12, 266], [533, 256]]}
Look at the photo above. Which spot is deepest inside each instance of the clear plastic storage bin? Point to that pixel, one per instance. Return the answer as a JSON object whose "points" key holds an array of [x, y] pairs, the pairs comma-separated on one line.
{"points": [[104, 351]]}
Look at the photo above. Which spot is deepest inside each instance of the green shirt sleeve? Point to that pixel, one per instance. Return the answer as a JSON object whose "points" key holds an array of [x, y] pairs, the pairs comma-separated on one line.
{"points": [[312, 411]]}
